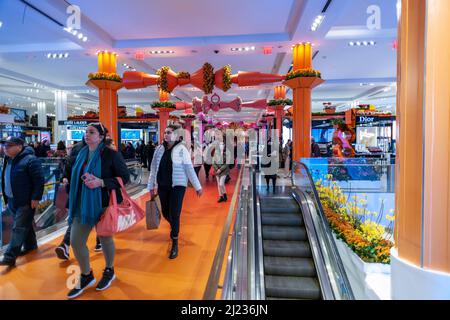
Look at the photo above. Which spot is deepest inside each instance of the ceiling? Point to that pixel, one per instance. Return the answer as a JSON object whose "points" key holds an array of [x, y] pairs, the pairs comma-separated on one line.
{"points": [[195, 29]]}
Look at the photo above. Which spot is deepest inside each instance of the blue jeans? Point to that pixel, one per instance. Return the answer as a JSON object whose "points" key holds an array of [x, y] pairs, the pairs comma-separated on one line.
{"points": [[22, 231]]}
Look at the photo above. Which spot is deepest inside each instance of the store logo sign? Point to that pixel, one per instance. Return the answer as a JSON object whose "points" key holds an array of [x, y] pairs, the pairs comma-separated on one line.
{"points": [[74, 20], [366, 119], [374, 20]]}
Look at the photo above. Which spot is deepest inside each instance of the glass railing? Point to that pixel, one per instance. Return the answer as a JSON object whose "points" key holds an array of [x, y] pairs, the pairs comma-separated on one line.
{"points": [[51, 214], [364, 187], [236, 280]]}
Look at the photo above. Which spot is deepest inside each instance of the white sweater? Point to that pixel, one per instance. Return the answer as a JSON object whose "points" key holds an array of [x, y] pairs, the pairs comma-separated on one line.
{"points": [[182, 168]]}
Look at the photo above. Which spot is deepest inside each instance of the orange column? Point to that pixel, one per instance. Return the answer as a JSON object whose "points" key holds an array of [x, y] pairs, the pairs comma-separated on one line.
{"points": [[408, 195], [163, 96], [423, 111], [279, 93], [108, 114], [302, 90], [163, 118]]}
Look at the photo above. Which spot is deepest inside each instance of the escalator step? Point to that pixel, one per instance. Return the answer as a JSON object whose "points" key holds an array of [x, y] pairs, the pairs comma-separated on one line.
{"points": [[284, 233], [299, 249], [288, 266], [283, 219], [279, 205], [292, 287]]}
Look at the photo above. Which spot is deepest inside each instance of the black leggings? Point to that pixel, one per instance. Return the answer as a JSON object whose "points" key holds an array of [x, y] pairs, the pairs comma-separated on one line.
{"points": [[207, 169], [274, 180], [171, 203]]}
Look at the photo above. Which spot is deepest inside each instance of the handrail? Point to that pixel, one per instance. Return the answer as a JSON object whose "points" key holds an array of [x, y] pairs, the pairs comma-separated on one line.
{"points": [[344, 282], [260, 289], [214, 276]]}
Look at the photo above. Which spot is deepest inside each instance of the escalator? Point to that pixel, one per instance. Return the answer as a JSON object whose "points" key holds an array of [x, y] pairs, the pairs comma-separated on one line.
{"points": [[282, 246], [289, 268]]}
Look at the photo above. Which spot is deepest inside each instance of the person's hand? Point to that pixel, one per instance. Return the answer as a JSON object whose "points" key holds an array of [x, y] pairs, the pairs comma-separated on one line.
{"points": [[65, 181], [34, 204], [153, 193], [199, 193], [92, 182]]}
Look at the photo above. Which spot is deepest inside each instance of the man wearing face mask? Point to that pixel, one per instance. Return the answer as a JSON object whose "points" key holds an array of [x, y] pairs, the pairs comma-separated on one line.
{"points": [[170, 171]]}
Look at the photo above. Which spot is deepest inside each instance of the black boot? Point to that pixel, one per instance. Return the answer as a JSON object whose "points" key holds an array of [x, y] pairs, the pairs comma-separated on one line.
{"points": [[174, 250], [221, 199], [225, 199]]}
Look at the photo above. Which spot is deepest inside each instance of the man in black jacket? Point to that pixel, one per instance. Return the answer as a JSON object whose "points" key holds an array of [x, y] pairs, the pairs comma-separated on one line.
{"points": [[23, 186]]}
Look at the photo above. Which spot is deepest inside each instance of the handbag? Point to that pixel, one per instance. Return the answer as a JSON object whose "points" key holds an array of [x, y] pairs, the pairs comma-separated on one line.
{"points": [[119, 217], [153, 213]]}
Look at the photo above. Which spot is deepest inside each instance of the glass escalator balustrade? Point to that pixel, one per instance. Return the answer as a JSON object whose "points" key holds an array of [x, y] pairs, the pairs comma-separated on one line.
{"points": [[52, 213]]}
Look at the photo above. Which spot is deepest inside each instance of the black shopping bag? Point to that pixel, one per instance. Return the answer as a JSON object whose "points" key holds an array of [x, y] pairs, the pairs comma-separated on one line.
{"points": [[153, 213]]}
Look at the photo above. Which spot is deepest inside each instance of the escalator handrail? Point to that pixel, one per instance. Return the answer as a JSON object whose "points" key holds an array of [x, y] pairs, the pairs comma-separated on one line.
{"points": [[257, 270], [334, 250]]}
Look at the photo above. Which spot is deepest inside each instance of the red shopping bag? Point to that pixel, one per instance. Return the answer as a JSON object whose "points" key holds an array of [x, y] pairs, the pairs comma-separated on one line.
{"points": [[119, 217]]}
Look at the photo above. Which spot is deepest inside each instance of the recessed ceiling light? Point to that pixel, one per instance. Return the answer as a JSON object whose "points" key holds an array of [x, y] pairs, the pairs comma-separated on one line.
{"points": [[85, 39], [317, 22], [74, 32], [80, 36], [1, 24]]}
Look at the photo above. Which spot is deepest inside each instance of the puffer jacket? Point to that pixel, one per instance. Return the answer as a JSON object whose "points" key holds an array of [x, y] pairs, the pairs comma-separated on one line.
{"points": [[27, 178], [182, 171]]}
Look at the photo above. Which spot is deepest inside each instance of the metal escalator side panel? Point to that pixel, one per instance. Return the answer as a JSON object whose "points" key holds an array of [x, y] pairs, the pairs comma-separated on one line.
{"points": [[259, 248], [317, 254], [305, 189]]}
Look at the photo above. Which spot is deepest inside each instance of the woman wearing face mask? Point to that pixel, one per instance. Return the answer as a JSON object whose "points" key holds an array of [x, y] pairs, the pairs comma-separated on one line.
{"points": [[91, 180], [170, 170]]}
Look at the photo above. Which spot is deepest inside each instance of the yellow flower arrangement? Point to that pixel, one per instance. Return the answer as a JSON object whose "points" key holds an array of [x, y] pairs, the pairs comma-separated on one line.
{"points": [[352, 222]]}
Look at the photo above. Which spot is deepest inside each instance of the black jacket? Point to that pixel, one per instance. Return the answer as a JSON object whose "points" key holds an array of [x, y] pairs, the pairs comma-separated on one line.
{"points": [[113, 166], [27, 178]]}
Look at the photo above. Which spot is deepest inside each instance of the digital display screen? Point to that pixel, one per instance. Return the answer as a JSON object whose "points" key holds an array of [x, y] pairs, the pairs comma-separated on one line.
{"points": [[19, 114], [76, 134], [322, 135], [130, 134]]}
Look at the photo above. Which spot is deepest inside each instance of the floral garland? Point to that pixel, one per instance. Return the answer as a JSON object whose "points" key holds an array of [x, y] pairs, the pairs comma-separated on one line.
{"points": [[165, 104], [280, 102], [268, 114], [307, 73], [188, 116], [162, 80], [183, 75], [208, 78], [105, 76], [226, 78]]}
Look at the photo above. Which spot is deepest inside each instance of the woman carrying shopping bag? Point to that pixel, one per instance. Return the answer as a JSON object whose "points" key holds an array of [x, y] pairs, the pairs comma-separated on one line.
{"points": [[91, 180], [170, 171]]}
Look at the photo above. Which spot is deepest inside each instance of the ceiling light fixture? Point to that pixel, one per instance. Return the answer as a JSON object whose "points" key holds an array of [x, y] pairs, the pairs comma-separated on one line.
{"points": [[57, 55], [252, 48], [75, 33], [1, 24], [161, 51], [362, 43], [317, 22]]}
